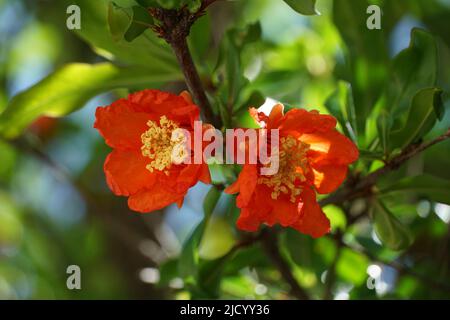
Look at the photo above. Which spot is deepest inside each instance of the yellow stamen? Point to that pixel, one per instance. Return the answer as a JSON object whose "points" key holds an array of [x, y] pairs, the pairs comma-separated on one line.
{"points": [[159, 142], [292, 169]]}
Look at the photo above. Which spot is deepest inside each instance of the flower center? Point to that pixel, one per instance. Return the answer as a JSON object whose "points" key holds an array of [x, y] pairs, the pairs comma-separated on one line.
{"points": [[293, 165], [164, 144]]}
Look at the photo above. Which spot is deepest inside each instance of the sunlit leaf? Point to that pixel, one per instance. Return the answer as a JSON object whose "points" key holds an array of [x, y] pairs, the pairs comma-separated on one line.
{"points": [[218, 238], [70, 87], [352, 266]]}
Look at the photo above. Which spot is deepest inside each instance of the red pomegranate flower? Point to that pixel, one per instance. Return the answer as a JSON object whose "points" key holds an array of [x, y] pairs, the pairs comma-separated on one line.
{"points": [[141, 166], [313, 156]]}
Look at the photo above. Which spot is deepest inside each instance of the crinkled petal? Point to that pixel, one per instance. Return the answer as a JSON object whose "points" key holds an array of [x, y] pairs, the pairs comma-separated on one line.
{"points": [[245, 185], [188, 177], [205, 175], [303, 121], [327, 178], [153, 199], [248, 220], [120, 125], [126, 173], [312, 220], [160, 103], [284, 212]]}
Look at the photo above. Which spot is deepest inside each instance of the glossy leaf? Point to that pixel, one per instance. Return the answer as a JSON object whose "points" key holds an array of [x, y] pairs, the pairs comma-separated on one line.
{"points": [[426, 108], [69, 88]]}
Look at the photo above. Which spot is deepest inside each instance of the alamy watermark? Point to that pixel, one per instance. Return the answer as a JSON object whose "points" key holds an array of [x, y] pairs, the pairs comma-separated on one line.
{"points": [[73, 281], [242, 146]]}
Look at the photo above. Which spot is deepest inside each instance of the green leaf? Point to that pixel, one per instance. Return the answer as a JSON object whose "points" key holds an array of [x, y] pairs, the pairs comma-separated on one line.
{"points": [[119, 20], [305, 7], [193, 5], [210, 276], [218, 238], [200, 39], [340, 104], [141, 21], [366, 57], [434, 188], [189, 258], [413, 69], [426, 108], [128, 23], [389, 229], [352, 266], [70, 87], [146, 51], [8, 158], [210, 202], [384, 123]]}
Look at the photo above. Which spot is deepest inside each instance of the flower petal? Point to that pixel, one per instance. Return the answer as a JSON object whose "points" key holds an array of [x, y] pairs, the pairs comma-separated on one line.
{"points": [[164, 103], [328, 178], [120, 125], [245, 185], [205, 175], [153, 199], [303, 121], [126, 173], [284, 212], [331, 148], [312, 221], [248, 220]]}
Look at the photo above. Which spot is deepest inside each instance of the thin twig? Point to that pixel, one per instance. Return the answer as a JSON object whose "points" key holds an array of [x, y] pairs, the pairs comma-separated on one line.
{"points": [[174, 27]]}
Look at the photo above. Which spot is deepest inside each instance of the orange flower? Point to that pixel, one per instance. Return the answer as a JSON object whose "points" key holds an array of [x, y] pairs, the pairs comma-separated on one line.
{"points": [[313, 156], [141, 166]]}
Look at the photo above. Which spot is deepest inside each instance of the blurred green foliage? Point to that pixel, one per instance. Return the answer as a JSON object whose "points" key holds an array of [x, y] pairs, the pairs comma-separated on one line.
{"points": [[387, 88]]}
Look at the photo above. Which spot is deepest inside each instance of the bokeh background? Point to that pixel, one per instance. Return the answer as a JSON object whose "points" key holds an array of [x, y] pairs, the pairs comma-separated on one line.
{"points": [[56, 210]]}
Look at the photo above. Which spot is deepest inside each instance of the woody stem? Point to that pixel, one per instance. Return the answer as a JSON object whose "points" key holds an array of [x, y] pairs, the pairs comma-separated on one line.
{"points": [[174, 28]]}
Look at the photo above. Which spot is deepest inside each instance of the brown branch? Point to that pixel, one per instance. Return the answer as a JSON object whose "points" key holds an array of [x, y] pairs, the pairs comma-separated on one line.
{"points": [[174, 27], [206, 4], [270, 244], [364, 187]]}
